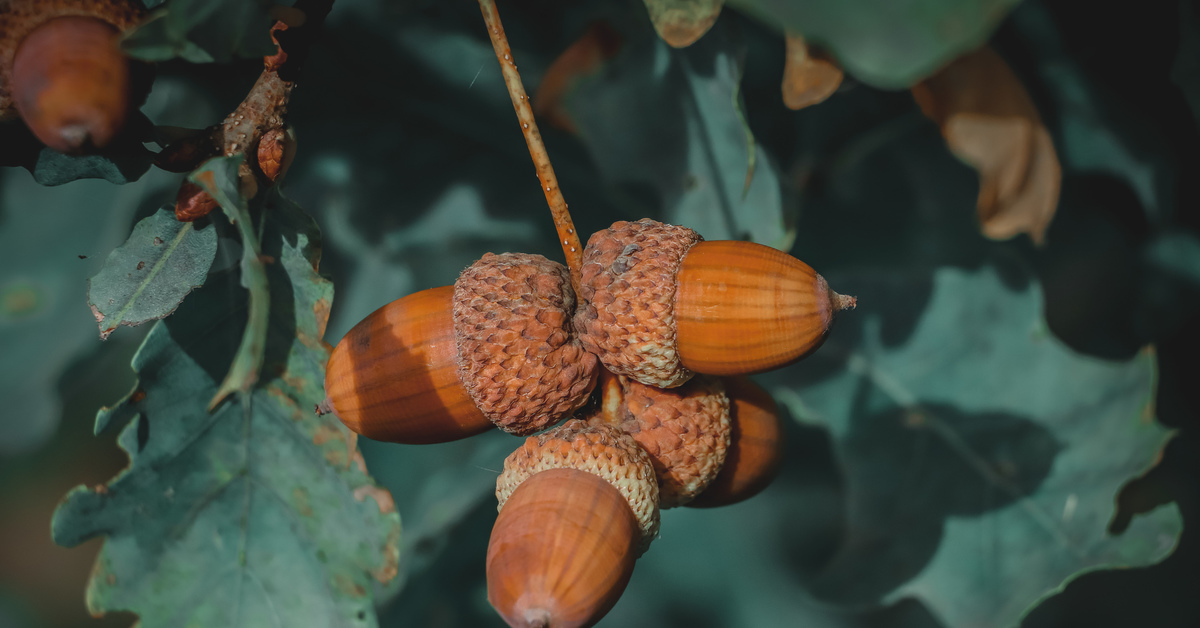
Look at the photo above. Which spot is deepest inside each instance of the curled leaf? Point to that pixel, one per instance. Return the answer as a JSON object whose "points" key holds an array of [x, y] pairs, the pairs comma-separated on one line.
{"points": [[681, 22], [809, 75], [990, 122], [599, 43]]}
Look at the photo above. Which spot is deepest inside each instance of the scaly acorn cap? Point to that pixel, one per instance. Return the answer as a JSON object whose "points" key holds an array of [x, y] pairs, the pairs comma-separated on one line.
{"points": [[516, 356], [660, 304], [446, 363], [599, 449], [685, 430], [627, 314]]}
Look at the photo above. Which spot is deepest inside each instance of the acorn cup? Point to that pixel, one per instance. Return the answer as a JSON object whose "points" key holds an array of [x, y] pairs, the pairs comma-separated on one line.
{"points": [[63, 72], [685, 430], [449, 362], [659, 304], [578, 505], [755, 450]]}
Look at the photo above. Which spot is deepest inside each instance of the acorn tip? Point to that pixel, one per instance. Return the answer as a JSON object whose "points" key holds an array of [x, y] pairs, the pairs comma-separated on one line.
{"points": [[843, 302]]}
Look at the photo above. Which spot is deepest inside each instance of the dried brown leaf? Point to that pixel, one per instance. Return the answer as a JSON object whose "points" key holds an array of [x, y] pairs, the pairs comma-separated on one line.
{"points": [[681, 22], [809, 75], [990, 122], [583, 58]]}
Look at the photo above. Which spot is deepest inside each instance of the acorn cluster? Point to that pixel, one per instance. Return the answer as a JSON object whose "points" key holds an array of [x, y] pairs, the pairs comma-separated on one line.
{"points": [[647, 362]]}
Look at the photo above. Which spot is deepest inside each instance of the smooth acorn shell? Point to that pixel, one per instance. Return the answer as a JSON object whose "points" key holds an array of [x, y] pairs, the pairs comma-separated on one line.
{"points": [[71, 83], [756, 448], [743, 308], [561, 552], [393, 376]]}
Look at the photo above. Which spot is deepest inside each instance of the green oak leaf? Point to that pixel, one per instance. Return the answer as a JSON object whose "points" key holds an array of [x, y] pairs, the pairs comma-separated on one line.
{"points": [[889, 44], [981, 456], [219, 178], [147, 277], [681, 134], [258, 514], [51, 241], [203, 31]]}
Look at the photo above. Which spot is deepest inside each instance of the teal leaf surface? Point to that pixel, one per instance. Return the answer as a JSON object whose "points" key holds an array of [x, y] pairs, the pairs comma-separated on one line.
{"points": [[887, 43], [259, 514], [203, 31], [147, 277], [981, 456], [52, 240], [682, 135], [219, 178]]}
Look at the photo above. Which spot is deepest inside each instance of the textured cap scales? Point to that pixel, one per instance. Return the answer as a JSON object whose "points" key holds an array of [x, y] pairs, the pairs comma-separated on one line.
{"points": [[516, 357], [685, 430], [628, 290], [600, 449]]}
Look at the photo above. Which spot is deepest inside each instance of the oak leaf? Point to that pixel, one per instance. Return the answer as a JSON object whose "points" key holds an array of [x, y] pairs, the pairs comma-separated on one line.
{"points": [[990, 122]]}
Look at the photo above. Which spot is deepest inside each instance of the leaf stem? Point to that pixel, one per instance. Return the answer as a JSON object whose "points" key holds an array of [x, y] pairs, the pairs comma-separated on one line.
{"points": [[572, 248]]}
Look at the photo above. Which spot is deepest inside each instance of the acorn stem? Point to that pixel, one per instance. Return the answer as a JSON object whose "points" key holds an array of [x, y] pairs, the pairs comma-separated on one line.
{"points": [[567, 236]]}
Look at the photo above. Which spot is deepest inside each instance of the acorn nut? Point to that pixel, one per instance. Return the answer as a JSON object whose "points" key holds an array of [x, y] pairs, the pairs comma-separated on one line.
{"points": [[447, 363], [755, 449], [659, 304], [63, 72], [578, 504]]}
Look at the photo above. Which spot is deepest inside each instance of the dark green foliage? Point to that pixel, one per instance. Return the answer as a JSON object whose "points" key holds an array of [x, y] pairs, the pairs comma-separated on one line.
{"points": [[147, 277], [259, 513]]}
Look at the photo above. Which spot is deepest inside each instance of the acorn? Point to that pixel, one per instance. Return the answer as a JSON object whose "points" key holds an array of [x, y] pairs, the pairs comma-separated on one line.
{"points": [[449, 362], [578, 504], [658, 304], [63, 72], [685, 430], [755, 450]]}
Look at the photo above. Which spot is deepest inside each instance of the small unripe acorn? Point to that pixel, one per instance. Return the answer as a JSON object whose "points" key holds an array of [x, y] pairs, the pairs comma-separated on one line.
{"points": [[755, 449], [685, 430], [62, 70], [447, 363], [659, 304], [578, 504]]}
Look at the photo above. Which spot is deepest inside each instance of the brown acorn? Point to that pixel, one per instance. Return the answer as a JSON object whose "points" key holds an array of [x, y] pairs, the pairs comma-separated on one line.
{"points": [[685, 430], [755, 450], [578, 504], [659, 304], [447, 363], [62, 69]]}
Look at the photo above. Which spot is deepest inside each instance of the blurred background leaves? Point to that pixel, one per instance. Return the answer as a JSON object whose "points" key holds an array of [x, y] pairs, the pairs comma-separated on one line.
{"points": [[1034, 358]]}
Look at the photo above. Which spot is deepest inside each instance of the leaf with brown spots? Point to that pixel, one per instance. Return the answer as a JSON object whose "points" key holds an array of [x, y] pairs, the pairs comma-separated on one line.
{"points": [[146, 278], [261, 513], [809, 75], [990, 122]]}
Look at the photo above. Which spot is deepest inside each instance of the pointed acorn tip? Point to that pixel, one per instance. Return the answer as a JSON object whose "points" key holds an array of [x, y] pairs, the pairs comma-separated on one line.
{"points": [[325, 407], [843, 302], [537, 618]]}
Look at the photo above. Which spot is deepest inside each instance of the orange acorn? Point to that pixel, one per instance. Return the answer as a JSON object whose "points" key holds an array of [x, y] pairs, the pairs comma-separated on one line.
{"points": [[578, 505], [755, 450], [659, 304], [685, 430], [447, 363], [62, 70]]}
